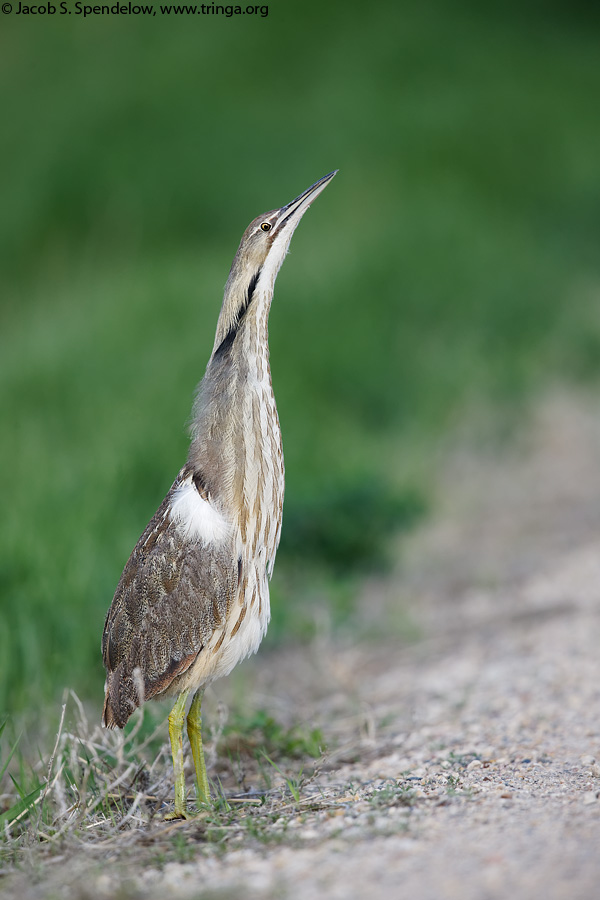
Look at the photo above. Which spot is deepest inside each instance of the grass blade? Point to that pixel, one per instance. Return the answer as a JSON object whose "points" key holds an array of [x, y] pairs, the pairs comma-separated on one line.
{"points": [[24, 805], [10, 755]]}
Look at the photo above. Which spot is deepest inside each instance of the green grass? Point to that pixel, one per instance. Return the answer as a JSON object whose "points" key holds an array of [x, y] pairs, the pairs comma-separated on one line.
{"points": [[452, 264]]}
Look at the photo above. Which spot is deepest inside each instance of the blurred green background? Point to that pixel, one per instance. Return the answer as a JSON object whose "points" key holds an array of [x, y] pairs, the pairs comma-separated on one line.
{"points": [[451, 266]]}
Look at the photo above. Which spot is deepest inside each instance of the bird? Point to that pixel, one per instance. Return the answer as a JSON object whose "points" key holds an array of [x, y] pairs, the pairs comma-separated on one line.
{"points": [[193, 598]]}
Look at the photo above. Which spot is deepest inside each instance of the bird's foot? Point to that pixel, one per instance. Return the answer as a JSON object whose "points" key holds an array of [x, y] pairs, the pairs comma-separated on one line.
{"points": [[185, 814], [202, 810]]}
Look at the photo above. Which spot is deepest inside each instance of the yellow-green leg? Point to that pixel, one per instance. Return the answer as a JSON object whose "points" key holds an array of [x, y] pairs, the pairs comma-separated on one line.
{"points": [[194, 730], [176, 736]]}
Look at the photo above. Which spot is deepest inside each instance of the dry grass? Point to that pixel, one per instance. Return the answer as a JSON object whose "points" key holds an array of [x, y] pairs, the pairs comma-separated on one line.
{"points": [[99, 789]]}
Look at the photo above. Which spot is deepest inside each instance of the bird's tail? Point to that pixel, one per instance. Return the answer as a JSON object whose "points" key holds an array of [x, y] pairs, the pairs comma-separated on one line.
{"points": [[124, 693], [108, 716]]}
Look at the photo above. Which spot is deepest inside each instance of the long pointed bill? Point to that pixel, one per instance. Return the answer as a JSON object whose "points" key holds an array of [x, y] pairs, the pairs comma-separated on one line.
{"points": [[293, 212]]}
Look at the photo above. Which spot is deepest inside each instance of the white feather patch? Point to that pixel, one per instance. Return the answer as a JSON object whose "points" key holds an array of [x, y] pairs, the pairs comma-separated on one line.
{"points": [[274, 260], [197, 517]]}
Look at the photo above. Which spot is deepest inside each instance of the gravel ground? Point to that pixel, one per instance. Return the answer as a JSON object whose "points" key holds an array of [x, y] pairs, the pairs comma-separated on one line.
{"points": [[466, 765]]}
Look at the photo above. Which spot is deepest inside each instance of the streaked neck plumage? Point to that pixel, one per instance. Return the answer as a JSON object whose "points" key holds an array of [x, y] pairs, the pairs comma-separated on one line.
{"points": [[236, 436]]}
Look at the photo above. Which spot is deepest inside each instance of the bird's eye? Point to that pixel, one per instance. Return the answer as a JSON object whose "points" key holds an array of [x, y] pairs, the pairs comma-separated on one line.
{"points": [[266, 226]]}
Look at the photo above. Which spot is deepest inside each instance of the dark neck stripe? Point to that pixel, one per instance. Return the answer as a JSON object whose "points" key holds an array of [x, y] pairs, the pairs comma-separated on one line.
{"points": [[249, 294], [230, 336]]}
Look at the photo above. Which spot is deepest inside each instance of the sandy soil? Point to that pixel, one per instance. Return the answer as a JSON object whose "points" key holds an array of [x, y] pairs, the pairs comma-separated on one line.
{"points": [[466, 765]]}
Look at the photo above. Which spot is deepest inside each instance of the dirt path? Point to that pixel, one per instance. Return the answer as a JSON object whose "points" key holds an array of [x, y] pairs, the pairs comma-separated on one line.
{"points": [[468, 764]]}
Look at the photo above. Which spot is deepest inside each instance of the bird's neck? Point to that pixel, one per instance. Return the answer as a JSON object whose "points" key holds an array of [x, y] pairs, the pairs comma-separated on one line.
{"points": [[235, 417]]}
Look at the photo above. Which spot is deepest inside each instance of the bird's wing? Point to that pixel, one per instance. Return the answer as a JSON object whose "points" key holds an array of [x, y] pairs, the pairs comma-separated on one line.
{"points": [[175, 590]]}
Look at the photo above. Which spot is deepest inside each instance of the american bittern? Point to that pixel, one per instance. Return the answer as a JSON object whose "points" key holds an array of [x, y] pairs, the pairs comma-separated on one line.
{"points": [[193, 599]]}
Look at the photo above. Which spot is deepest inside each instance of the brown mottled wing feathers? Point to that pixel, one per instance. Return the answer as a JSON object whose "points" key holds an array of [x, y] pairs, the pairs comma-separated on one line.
{"points": [[173, 593]]}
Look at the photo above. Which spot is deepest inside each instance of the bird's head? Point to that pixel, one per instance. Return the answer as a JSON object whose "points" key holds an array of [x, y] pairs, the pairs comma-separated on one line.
{"points": [[259, 257], [266, 239]]}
